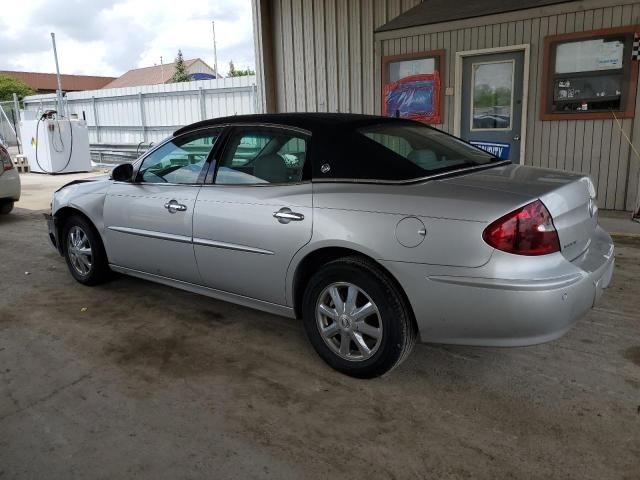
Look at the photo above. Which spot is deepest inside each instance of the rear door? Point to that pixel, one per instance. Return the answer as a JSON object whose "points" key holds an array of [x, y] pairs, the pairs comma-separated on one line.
{"points": [[148, 223], [492, 89], [257, 214]]}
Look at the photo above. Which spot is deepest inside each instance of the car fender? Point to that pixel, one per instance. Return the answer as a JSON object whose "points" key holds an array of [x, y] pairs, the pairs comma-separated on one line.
{"points": [[313, 246], [88, 198]]}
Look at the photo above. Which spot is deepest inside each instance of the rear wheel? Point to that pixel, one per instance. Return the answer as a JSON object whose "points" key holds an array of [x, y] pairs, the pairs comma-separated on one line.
{"points": [[84, 252], [6, 206], [357, 319]]}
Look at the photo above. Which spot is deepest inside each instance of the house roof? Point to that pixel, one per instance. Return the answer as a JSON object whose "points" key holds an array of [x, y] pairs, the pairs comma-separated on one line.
{"points": [[438, 11], [48, 81], [149, 75]]}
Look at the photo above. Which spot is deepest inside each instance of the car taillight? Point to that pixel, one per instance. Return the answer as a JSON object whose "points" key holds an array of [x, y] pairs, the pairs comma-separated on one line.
{"points": [[526, 231], [5, 163]]}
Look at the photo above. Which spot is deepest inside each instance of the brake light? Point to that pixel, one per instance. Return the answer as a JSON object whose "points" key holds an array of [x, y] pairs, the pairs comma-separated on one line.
{"points": [[526, 231], [5, 162]]}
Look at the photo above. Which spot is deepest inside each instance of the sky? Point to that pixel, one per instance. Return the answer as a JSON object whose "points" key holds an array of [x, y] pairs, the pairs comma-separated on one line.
{"points": [[109, 37]]}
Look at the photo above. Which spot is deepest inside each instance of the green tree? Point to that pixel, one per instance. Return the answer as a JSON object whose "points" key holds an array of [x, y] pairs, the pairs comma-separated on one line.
{"points": [[239, 73], [10, 85], [486, 96], [181, 74]]}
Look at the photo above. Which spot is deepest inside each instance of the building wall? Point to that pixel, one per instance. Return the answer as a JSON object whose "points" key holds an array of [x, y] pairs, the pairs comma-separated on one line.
{"points": [[326, 57], [324, 52], [595, 147], [200, 67]]}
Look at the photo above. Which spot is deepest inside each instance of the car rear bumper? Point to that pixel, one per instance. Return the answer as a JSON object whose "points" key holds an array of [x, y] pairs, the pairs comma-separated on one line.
{"points": [[10, 187], [485, 311]]}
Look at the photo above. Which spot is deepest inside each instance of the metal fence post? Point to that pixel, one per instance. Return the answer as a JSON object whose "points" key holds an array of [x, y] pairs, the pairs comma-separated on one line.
{"points": [[143, 119], [16, 124], [95, 118], [254, 92], [203, 105]]}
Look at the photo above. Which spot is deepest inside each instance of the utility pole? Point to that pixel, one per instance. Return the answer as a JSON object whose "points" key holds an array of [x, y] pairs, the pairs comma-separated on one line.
{"points": [[215, 50], [59, 92]]}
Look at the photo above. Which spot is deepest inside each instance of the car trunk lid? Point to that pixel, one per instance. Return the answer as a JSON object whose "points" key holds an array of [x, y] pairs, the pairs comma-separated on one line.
{"points": [[569, 197]]}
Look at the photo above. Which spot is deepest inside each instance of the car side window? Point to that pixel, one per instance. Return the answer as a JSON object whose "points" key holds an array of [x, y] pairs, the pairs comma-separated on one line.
{"points": [[179, 161], [263, 156]]}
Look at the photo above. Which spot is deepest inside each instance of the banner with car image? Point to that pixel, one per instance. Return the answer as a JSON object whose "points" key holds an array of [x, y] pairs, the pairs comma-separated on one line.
{"points": [[416, 97]]}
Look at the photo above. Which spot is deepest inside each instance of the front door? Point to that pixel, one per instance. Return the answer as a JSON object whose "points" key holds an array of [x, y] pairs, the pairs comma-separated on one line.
{"points": [[250, 223], [492, 89], [148, 222]]}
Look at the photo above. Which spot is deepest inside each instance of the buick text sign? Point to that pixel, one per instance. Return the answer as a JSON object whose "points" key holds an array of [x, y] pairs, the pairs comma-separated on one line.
{"points": [[500, 150]]}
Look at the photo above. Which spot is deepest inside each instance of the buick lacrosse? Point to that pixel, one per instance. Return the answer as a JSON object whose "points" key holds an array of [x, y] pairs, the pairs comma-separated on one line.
{"points": [[374, 231]]}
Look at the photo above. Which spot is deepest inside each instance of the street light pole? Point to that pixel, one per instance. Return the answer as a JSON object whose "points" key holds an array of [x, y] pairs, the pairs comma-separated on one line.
{"points": [[215, 50]]}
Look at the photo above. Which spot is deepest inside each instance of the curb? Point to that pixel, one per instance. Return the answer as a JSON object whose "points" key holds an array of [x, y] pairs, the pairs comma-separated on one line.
{"points": [[624, 235]]}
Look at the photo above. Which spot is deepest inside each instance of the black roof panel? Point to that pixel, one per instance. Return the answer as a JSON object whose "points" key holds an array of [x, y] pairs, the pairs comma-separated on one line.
{"points": [[438, 11], [307, 121]]}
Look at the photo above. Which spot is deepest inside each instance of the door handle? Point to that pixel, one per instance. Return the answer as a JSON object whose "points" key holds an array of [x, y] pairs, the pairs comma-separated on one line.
{"points": [[173, 206], [516, 138], [285, 215]]}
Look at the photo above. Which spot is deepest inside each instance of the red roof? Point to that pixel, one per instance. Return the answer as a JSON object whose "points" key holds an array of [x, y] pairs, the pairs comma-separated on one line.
{"points": [[70, 83]]}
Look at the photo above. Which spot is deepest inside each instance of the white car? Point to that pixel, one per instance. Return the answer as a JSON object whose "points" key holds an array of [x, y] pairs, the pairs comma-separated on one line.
{"points": [[9, 182]]}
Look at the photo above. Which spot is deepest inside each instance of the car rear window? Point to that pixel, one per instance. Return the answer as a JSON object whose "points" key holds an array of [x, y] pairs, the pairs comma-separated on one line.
{"points": [[420, 151]]}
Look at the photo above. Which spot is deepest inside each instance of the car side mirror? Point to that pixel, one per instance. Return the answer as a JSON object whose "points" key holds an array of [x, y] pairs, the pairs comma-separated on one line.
{"points": [[122, 173]]}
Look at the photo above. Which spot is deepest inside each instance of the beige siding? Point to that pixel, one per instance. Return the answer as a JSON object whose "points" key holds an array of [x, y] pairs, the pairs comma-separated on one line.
{"points": [[327, 58], [595, 147], [324, 52]]}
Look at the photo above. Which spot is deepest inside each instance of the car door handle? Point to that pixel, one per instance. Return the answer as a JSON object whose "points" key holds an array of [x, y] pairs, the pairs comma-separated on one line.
{"points": [[173, 206], [285, 215]]}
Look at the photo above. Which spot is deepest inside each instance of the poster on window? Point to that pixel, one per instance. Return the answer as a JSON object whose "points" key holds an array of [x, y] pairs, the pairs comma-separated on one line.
{"points": [[416, 98]]}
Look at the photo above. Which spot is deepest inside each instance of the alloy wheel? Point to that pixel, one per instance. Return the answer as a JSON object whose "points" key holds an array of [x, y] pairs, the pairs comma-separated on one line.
{"points": [[349, 321], [79, 250]]}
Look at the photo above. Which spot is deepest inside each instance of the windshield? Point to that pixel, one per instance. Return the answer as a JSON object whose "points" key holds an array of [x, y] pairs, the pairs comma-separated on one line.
{"points": [[430, 150]]}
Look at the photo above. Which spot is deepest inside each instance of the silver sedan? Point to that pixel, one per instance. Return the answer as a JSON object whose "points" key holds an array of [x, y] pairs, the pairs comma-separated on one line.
{"points": [[374, 231]]}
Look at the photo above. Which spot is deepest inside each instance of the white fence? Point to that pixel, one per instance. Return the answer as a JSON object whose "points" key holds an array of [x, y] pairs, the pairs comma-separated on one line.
{"points": [[7, 119], [121, 118]]}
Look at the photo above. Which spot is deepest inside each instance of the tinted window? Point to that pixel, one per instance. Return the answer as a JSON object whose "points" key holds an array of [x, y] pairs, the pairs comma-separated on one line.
{"points": [[414, 151], [178, 161], [263, 156]]}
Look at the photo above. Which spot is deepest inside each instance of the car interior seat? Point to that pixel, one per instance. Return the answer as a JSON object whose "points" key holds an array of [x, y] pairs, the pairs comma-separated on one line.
{"points": [[270, 168]]}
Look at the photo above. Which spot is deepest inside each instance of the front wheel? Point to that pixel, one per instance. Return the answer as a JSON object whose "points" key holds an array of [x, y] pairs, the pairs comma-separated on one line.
{"points": [[357, 319], [84, 252]]}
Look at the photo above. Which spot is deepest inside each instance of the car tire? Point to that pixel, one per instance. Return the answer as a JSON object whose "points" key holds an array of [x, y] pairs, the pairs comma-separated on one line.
{"points": [[84, 252], [6, 207], [378, 338]]}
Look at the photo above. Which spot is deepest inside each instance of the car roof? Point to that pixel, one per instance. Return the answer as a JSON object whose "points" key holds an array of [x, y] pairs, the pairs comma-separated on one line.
{"points": [[307, 121]]}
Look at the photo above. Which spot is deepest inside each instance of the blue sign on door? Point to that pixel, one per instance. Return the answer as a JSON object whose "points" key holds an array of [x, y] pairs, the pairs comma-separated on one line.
{"points": [[500, 150]]}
